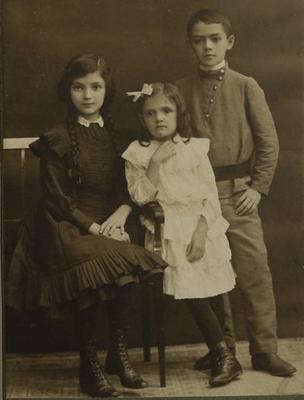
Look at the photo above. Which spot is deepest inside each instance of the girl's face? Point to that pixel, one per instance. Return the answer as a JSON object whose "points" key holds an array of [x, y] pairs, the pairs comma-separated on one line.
{"points": [[159, 116], [87, 95]]}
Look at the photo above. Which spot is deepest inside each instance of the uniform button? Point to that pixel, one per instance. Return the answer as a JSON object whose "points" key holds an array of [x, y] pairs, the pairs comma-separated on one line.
{"points": [[207, 116], [211, 101], [222, 71], [220, 78], [214, 87]]}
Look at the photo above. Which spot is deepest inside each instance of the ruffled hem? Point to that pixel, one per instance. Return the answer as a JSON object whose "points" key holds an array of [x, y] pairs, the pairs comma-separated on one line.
{"points": [[47, 291], [188, 285]]}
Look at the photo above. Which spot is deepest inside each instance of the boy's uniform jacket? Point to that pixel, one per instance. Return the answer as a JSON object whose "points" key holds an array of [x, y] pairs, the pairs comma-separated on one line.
{"points": [[231, 110]]}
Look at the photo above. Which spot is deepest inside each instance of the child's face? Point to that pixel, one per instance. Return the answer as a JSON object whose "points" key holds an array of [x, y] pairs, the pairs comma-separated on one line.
{"points": [[87, 95], [210, 43], [160, 117]]}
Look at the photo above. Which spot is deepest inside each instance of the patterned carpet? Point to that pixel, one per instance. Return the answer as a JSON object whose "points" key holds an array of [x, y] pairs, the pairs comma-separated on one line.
{"points": [[55, 375]]}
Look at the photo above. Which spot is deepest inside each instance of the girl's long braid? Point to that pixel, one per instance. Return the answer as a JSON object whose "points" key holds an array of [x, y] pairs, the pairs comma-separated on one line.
{"points": [[71, 125], [110, 126], [76, 173]]}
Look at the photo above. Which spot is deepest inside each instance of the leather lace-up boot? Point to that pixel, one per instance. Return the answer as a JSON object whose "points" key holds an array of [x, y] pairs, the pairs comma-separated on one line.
{"points": [[91, 376], [117, 360], [224, 366], [204, 362], [118, 363], [273, 364]]}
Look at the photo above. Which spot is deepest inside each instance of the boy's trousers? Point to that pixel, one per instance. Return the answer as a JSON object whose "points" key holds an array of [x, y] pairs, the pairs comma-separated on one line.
{"points": [[250, 262]]}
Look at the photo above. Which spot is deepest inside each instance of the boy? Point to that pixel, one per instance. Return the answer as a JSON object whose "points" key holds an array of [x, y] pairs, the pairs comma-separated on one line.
{"points": [[231, 110]]}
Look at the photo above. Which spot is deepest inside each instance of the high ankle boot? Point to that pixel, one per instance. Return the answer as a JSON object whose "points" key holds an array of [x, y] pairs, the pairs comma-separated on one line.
{"points": [[91, 376], [224, 366], [118, 363], [117, 360], [204, 362], [213, 317], [209, 325]]}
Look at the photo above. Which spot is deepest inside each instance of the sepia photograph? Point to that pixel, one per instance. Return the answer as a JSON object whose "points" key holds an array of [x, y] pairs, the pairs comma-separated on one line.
{"points": [[152, 199]]}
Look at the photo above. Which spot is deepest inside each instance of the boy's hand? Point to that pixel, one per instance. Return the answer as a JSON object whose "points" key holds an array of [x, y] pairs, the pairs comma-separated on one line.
{"points": [[196, 249], [247, 202], [165, 151]]}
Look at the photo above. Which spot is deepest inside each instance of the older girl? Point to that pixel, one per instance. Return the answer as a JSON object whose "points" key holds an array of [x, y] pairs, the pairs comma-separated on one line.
{"points": [[79, 250]]}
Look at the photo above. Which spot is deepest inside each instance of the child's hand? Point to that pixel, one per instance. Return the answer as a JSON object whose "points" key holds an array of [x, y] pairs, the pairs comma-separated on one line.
{"points": [[165, 151], [117, 235], [196, 249], [94, 229], [247, 202], [116, 221]]}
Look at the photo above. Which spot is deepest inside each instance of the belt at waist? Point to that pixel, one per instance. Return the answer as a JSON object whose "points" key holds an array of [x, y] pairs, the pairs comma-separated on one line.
{"points": [[234, 171]]}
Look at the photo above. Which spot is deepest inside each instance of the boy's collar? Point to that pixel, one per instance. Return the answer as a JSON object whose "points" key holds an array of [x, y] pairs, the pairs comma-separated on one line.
{"points": [[219, 72], [84, 122], [214, 68]]}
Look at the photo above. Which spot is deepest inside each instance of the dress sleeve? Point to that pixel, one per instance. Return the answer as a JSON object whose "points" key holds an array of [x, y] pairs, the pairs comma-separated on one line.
{"points": [[54, 176], [141, 190], [122, 195], [265, 137]]}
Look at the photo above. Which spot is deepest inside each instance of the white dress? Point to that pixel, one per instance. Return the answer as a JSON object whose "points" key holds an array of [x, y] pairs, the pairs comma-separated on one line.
{"points": [[186, 190]]}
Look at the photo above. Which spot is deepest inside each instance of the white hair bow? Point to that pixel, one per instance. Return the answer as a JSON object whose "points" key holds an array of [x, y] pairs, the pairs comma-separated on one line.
{"points": [[146, 89]]}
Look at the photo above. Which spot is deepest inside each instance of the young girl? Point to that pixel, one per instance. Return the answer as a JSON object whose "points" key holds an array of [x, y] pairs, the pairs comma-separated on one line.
{"points": [[168, 166], [77, 245]]}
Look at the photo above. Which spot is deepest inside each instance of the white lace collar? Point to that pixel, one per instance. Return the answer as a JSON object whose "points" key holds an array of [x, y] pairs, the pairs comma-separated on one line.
{"points": [[82, 121]]}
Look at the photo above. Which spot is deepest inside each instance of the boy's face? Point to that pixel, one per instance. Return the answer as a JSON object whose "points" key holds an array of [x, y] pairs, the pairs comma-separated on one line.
{"points": [[210, 43], [159, 116]]}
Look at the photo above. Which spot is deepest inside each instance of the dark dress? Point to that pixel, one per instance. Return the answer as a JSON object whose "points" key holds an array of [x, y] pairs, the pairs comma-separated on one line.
{"points": [[56, 260]]}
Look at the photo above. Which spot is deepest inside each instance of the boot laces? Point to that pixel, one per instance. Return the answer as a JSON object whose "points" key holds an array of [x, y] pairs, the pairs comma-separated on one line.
{"points": [[124, 357], [90, 358], [224, 357]]}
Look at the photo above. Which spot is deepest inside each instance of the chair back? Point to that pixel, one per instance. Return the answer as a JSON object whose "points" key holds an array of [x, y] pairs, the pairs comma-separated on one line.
{"points": [[16, 176], [21, 188]]}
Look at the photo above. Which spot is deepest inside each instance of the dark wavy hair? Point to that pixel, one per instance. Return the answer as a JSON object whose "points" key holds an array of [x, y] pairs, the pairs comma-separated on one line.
{"points": [[78, 67], [173, 95], [209, 16]]}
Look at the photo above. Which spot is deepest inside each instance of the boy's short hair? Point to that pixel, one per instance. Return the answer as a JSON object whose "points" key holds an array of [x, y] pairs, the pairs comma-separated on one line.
{"points": [[209, 16]]}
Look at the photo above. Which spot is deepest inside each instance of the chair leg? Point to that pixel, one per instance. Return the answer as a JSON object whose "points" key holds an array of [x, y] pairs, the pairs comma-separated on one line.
{"points": [[160, 320], [146, 318], [162, 361]]}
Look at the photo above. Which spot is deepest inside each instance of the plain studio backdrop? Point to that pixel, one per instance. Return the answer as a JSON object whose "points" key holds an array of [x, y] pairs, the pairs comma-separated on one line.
{"points": [[145, 41]]}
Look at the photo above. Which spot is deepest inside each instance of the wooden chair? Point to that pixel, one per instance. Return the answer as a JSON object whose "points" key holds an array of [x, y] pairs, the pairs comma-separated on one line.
{"points": [[155, 300], [21, 145], [150, 301]]}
